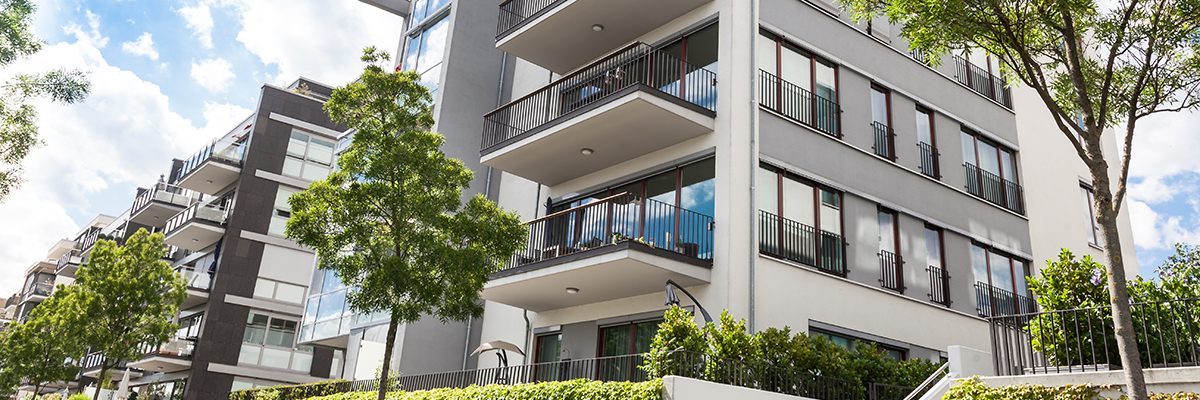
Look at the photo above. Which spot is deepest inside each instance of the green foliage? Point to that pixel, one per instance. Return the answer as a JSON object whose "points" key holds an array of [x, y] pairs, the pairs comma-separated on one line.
{"points": [[292, 392], [41, 349], [973, 389], [18, 118], [78, 396], [52, 396], [577, 389]]}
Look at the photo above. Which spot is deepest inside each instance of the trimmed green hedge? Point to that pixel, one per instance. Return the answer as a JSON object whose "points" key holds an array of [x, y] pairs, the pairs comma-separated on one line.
{"points": [[292, 392], [973, 389], [570, 390]]}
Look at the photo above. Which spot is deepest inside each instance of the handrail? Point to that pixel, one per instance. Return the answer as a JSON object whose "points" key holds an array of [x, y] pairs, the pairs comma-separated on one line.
{"points": [[143, 200], [190, 213], [940, 371], [576, 208], [572, 75], [232, 151]]}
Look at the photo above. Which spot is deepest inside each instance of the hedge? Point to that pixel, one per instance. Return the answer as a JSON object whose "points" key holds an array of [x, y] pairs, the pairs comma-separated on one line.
{"points": [[973, 389], [569, 390], [292, 392]]}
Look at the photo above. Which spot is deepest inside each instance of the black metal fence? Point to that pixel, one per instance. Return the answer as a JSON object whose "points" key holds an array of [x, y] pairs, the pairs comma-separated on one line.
{"points": [[982, 81], [1167, 335], [885, 140], [224, 150], [993, 188], [801, 243], [929, 160], [515, 12], [613, 220], [638, 63], [939, 285], [798, 104], [991, 301], [891, 271]]}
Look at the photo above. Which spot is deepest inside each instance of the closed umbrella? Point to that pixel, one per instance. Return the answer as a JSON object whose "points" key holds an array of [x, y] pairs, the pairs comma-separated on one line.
{"points": [[123, 389]]}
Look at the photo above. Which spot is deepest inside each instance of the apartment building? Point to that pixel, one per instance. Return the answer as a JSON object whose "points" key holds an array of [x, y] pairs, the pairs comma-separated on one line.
{"points": [[773, 157]]}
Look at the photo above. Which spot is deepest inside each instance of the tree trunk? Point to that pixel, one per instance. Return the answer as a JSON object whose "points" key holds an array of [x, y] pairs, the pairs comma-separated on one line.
{"points": [[100, 380], [1131, 362], [37, 389], [387, 357]]}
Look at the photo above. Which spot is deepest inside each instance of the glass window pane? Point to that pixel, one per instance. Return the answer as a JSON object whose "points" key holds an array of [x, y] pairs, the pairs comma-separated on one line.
{"points": [[879, 107], [548, 348], [768, 191], [616, 340], [332, 281], [414, 49], [826, 80], [281, 199], [1019, 278], [1008, 166], [325, 329], [988, 158], [924, 129], [240, 385], [887, 231], [702, 48], [767, 53], [968, 148], [831, 218], [321, 152], [644, 335], [699, 186], [297, 144], [979, 264], [314, 172], [420, 10], [289, 293], [301, 361], [1088, 218], [798, 202], [433, 46], [331, 305], [933, 247], [292, 167], [249, 354], [277, 226], [1001, 272], [264, 288], [275, 358], [796, 68]]}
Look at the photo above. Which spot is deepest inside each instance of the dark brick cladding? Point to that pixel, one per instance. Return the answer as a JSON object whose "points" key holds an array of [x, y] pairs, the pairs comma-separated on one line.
{"points": [[239, 259]]}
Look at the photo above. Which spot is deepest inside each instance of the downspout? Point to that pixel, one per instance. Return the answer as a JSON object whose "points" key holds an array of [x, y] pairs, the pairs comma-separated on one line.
{"points": [[753, 156]]}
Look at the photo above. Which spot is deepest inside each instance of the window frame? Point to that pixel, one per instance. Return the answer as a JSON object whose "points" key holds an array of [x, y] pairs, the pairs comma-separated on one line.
{"points": [[1000, 150], [777, 71], [1012, 261], [1090, 211], [887, 110], [783, 173], [295, 348]]}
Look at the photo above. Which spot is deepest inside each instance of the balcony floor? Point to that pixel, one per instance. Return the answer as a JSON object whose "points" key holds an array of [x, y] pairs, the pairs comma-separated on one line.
{"points": [[161, 363], [606, 273]]}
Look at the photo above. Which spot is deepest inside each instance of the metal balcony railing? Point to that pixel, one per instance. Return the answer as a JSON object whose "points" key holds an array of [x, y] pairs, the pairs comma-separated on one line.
{"points": [[885, 141], [89, 238], [801, 243], [636, 64], [39, 289], [221, 150], [891, 271], [982, 81], [939, 285], [513, 13], [990, 187], [991, 301], [197, 278], [214, 213], [72, 257], [929, 160], [613, 220], [165, 193], [799, 104], [176, 347]]}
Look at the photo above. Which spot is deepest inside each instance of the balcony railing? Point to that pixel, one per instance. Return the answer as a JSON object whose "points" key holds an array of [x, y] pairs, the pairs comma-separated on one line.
{"points": [[89, 238], [990, 187], [210, 212], [992, 301], [513, 13], [929, 160], [798, 104], [617, 219], [939, 285], [39, 289], [176, 347], [919, 55], [982, 81], [801, 243], [165, 193], [92, 362], [891, 271], [885, 141], [72, 257], [221, 150], [197, 278], [636, 64]]}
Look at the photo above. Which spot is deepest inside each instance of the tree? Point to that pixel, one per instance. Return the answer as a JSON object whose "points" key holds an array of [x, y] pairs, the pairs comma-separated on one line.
{"points": [[43, 349], [18, 119], [127, 298], [390, 220], [1094, 69]]}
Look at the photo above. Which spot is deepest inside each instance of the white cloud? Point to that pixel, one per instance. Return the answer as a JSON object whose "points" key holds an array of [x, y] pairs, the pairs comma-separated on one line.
{"points": [[91, 37], [199, 19], [213, 74], [1156, 231], [286, 37], [122, 136], [143, 46]]}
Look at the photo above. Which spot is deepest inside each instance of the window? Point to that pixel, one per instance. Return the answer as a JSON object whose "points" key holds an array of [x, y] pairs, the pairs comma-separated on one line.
{"points": [[189, 327], [890, 264], [269, 289], [696, 49], [282, 211], [927, 142], [423, 8], [939, 280], [624, 340], [991, 172], [1089, 215], [1000, 282], [308, 157], [799, 220], [427, 45], [881, 122], [851, 342], [548, 348], [271, 342], [327, 313], [798, 84]]}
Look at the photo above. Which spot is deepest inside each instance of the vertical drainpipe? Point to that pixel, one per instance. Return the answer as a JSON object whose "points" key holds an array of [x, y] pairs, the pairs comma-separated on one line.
{"points": [[753, 155]]}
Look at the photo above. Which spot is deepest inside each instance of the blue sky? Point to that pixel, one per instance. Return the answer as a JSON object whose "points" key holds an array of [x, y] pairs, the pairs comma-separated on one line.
{"points": [[167, 76]]}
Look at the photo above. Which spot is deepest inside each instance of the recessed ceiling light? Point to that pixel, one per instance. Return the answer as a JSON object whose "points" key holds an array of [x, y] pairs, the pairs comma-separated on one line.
{"points": [[572, 290], [209, 181], [597, 27], [586, 151], [195, 240]]}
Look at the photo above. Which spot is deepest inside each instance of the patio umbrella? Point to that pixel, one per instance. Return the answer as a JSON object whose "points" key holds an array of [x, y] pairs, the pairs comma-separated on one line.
{"points": [[123, 389], [500, 345]]}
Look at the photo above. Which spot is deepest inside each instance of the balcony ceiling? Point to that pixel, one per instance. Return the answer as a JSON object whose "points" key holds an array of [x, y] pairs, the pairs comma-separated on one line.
{"points": [[210, 177], [606, 276], [617, 130], [60, 248], [194, 235], [164, 364], [194, 298], [562, 39], [69, 269], [156, 214], [118, 373]]}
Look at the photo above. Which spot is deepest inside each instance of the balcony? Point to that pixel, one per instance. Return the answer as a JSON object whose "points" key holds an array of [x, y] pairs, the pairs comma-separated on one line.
{"points": [[88, 239], [629, 104], [991, 301], [69, 263], [929, 161], [618, 247], [196, 227], [994, 189], [561, 35], [798, 104], [213, 168], [891, 271], [982, 82], [793, 241], [173, 356], [38, 291], [939, 285], [885, 141], [90, 367], [199, 281], [155, 205], [62, 247]]}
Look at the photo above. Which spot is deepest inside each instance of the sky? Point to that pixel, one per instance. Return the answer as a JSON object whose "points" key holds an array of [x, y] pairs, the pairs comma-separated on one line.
{"points": [[167, 77], [170, 75]]}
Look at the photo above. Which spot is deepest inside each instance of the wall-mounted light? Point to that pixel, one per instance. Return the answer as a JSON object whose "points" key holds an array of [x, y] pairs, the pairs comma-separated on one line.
{"points": [[597, 27], [572, 290], [586, 151]]}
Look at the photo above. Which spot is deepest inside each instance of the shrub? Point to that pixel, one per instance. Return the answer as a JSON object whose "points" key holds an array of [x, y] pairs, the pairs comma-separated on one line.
{"points": [[52, 396], [973, 389], [292, 392], [577, 389], [79, 396]]}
